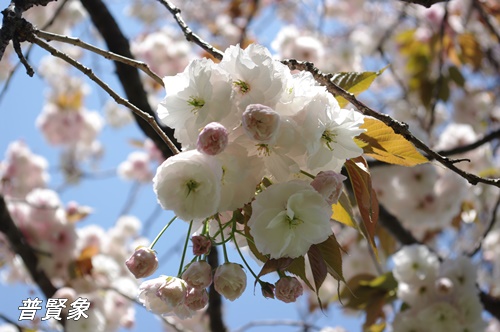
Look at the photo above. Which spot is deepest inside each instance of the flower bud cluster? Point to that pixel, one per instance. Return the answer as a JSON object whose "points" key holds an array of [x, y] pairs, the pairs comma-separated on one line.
{"points": [[184, 296]]}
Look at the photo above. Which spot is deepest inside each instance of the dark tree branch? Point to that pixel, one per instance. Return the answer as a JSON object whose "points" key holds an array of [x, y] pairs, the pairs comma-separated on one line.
{"points": [[188, 33], [487, 230], [22, 59], [214, 310], [393, 225], [128, 76], [425, 3], [398, 127], [12, 22], [23, 249], [454, 151]]}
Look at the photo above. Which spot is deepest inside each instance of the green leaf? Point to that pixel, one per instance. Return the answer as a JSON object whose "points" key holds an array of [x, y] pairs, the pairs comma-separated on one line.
{"points": [[298, 268], [342, 211], [382, 143], [331, 253], [365, 197], [370, 293], [385, 281], [456, 76], [355, 82]]}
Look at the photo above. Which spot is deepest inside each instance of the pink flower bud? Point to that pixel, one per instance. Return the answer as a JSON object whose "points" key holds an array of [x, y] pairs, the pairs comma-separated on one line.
{"points": [[142, 263], [230, 280], [198, 275], [267, 290], [329, 185], [201, 245], [196, 299], [260, 122], [212, 139], [288, 289]]}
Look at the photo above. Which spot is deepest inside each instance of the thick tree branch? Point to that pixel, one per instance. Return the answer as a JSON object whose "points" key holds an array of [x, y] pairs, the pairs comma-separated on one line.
{"points": [[425, 3], [12, 22], [23, 249], [128, 76], [214, 310]]}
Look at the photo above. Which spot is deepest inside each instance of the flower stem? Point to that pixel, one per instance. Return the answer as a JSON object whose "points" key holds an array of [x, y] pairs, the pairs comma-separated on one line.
{"points": [[245, 262], [185, 249], [226, 260], [307, 174], [161, 232]]}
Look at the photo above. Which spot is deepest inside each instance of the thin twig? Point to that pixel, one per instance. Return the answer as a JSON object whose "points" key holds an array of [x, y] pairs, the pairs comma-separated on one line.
{"points": [[398, 127], [132, 194], [253, 10], [106, 54], [486, 18], [487, 230], [149, 221], [188, 33], [439, 81], [90, 74], [277, 323], [22, 59]]}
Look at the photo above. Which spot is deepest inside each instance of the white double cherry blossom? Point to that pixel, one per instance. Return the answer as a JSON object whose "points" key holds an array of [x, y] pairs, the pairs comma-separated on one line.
{"points": [[278, 124], [240, 121]]}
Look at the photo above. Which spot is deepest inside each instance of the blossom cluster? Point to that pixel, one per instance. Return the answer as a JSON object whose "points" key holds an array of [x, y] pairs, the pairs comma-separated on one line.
{"points": [[441, 296], [80, 262], [246, 118]]}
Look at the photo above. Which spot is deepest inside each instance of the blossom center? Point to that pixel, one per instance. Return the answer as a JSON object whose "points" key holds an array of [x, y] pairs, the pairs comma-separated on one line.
{"points": [[292, 220], [263, 149], [192, 185], [328, 137], [242, 86], [196, 102]]}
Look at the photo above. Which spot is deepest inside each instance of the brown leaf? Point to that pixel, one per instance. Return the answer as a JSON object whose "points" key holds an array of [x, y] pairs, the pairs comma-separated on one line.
{"points": [[365, 197]]}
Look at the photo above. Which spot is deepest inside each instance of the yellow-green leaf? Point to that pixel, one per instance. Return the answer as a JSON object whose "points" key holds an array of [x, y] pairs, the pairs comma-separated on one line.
{"points": [[354, 82], [471, 52], [385, 145], [342, 211]]}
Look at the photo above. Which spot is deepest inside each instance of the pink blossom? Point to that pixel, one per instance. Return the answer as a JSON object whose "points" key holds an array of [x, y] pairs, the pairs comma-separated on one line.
{"points": [[288, 289], [197, 298], [230, 280], [212, 139], [198, 275], [329, 185], [201, 245], [260, 122], [143, 262]]}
